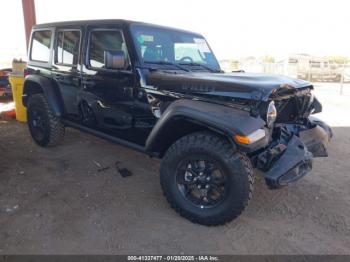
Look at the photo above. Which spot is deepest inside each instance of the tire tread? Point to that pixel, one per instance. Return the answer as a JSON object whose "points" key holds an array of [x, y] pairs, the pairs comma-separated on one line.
{"points": [[56, 127], [227, 151]]}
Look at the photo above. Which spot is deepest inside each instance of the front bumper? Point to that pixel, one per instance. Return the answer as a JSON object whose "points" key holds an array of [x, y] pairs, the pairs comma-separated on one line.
{"points": [[291, 158], [293, 164]]}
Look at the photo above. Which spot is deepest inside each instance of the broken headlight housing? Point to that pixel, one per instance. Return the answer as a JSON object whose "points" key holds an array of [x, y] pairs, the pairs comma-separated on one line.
{"points": [[271, 114]]}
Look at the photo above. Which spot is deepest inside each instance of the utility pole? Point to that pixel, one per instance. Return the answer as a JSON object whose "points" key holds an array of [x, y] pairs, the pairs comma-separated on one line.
{"points": [[29, 17], [342, 80]]}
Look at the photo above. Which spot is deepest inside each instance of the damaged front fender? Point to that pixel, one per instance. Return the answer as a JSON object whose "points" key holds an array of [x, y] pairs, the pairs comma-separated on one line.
{"points": [[316, 140], [316, 135]]}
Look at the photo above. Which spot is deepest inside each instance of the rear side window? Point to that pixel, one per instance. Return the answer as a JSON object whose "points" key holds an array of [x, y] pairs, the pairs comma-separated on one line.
{"points": [[41, 42], [101, 41], [67, 50]]}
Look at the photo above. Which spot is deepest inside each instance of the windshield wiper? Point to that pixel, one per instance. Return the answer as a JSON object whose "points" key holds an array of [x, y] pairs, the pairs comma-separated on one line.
{"points": [[166, 63], [203, 66]]}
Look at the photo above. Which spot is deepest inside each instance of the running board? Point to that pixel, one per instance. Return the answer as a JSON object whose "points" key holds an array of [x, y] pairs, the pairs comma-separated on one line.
{"points": [[105, 136]]}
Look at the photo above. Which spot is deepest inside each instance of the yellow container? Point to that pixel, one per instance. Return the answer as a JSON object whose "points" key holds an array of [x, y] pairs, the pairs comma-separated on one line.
{"points": [[17, 91]]}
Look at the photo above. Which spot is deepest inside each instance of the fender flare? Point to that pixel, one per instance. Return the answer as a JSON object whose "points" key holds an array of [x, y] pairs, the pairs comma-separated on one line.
{"points": [[48, 88], [225, 120]]}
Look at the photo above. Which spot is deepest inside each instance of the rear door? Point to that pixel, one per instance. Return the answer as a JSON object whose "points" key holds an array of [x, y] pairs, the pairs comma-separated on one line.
{"points": [[66, 69]]}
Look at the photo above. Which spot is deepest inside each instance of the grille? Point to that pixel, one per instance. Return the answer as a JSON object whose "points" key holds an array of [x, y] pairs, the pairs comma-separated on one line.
{"points": [[293, 108]]}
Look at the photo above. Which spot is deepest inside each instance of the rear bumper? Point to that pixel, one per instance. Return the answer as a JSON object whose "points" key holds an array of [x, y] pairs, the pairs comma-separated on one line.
{"points": [[291, 159]]}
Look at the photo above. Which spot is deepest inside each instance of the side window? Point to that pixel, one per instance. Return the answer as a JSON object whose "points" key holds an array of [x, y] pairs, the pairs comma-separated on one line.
{"points": [[102, 41], [41, 42], [67, 50]]}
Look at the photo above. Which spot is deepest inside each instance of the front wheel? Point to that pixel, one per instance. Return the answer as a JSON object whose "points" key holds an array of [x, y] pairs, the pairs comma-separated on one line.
{"points": [[46, 129], [205, 180]]}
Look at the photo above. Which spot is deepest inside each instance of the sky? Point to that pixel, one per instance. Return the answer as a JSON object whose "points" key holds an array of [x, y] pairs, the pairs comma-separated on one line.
{"points": [[232, 28]]}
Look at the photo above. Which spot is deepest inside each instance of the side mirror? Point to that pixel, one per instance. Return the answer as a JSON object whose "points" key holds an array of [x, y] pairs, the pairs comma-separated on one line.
{"points": [[114, 59]]}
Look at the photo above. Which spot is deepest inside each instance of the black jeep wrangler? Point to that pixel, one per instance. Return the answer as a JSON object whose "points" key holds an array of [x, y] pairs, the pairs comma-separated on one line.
{"points": [[161, 91]]}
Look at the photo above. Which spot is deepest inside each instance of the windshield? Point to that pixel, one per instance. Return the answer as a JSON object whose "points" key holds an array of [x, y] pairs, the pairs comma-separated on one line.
{"points": [[167, 46]]}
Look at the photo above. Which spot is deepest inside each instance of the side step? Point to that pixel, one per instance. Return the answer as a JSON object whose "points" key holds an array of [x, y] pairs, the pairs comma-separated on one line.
{"points": [[105, 136]]}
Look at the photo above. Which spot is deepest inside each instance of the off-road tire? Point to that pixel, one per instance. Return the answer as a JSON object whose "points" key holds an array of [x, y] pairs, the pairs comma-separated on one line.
{"points": [[54, 129], [236, 165]]}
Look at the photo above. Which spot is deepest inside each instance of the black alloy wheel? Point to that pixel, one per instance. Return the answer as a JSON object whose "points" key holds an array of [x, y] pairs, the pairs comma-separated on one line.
{"points": [[202, 182]]}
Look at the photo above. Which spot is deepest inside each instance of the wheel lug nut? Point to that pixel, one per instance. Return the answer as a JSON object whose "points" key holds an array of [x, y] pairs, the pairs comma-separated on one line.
{"points": [[199, 186], [208, 178], [207, 186]]}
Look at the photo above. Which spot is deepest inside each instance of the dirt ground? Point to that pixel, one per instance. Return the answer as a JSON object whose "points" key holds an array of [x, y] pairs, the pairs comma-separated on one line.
{"points": [[72, 200]]}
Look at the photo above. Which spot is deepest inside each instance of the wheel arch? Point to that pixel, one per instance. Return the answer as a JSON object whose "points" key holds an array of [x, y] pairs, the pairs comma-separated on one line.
{"points": [[35, 84], [175, 129], [183, 117]]}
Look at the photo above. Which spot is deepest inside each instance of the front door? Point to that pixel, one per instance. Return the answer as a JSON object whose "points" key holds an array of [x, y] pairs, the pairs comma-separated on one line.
{"points": [[108, 97]]}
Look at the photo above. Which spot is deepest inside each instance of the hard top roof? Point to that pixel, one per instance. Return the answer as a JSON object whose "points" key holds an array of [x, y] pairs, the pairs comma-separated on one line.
{"points": [[104, 22], [83, 22]]}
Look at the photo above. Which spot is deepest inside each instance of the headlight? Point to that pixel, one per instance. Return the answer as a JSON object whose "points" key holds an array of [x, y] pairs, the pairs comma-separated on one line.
{"points": [[271, 114]]}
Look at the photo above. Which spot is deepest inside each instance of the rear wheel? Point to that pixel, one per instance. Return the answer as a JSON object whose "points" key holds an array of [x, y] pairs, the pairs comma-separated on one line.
{"points": [[205, 180], [45, 128]]}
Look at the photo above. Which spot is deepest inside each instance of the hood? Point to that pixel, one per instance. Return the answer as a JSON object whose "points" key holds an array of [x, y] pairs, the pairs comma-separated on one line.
{"points": [[236, 85]]}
